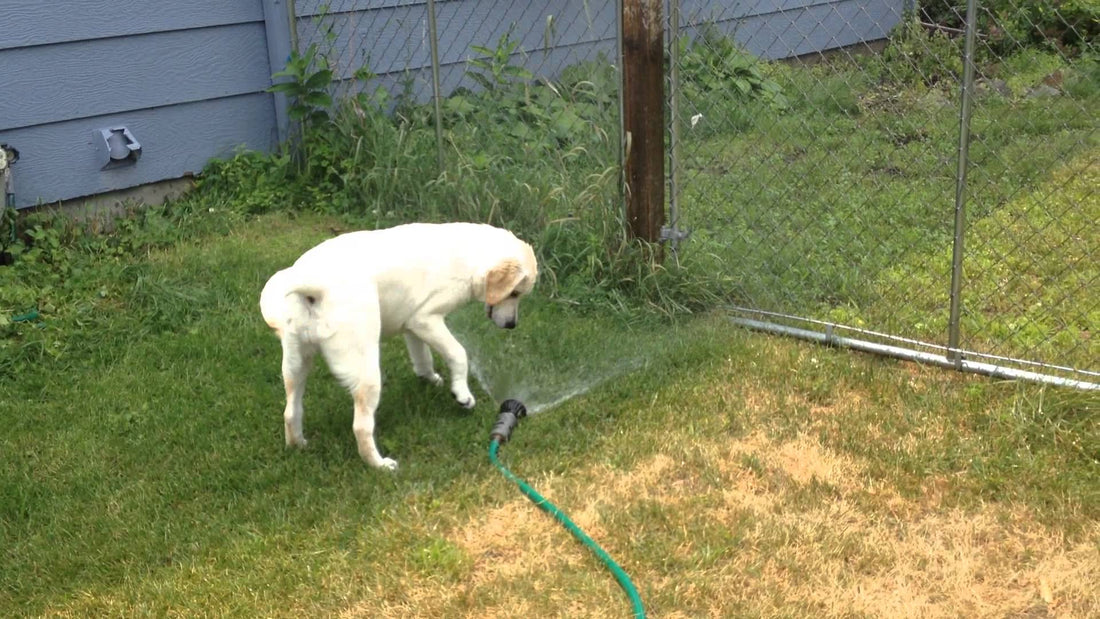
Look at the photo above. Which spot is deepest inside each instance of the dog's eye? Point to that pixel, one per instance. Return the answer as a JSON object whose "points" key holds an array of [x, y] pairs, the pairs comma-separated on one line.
{"points": [[515, 294]]}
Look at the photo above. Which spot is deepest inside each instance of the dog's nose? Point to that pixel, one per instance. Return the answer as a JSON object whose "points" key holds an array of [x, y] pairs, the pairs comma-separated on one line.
{"points": [[511, 324]]}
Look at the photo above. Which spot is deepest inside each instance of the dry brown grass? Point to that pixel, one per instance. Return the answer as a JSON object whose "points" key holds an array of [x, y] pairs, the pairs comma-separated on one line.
{"points": [[759, 526]]}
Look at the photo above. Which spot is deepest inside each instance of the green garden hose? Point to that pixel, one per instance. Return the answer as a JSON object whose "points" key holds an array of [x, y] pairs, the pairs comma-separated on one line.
{"points": [[510, 413], [27, 317]]}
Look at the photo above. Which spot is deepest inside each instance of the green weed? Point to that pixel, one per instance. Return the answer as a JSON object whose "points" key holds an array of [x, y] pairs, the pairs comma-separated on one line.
{"points": [[309, 78]]}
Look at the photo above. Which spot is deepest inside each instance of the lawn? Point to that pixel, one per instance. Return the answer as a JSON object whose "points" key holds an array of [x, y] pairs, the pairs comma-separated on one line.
{"points": [[728, 472]]}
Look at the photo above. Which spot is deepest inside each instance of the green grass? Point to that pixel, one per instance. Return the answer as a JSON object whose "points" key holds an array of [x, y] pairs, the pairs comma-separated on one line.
{"points": [[150, 438], [147, 474], [1028, 275]]}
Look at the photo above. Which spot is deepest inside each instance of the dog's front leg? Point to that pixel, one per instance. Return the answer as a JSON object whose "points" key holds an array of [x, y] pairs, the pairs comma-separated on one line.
{"points": [[434, 332], [421, 356]]}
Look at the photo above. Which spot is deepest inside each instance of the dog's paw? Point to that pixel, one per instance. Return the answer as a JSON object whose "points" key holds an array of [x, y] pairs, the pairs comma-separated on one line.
{"points": [[388, 464], [433, 378], [296, 441], [466, 400]]}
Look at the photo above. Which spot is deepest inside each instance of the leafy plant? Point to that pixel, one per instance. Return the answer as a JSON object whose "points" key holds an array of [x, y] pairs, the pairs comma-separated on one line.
{"points": [[542, 114], [1007, 25], [494, 70], [378, 98], [713, 63], [307, 88], [251, 182], [916, 55]]}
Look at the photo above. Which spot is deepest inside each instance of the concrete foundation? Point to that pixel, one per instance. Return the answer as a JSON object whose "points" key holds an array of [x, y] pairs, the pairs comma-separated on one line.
{"points": [[105, 206]]}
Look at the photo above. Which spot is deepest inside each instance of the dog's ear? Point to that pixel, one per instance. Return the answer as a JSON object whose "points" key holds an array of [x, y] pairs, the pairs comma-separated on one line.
{"points": [[501, 280]]}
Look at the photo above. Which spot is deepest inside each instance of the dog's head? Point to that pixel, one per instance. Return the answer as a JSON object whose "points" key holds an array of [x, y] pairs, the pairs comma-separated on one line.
{"points": [[507, 281]]}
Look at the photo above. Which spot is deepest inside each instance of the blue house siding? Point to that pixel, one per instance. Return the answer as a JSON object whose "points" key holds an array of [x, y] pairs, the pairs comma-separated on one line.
{"points": [[36, 22], [777, 29], [59, 161], [391, 37], [81, 79], [187, 79]]}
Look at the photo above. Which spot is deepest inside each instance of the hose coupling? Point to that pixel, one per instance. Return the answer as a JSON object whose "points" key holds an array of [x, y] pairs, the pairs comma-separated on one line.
{"points": [[511, 411]]}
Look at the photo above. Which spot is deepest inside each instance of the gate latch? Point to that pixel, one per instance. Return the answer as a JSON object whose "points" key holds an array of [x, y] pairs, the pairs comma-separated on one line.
{"points": [[674, 234]]}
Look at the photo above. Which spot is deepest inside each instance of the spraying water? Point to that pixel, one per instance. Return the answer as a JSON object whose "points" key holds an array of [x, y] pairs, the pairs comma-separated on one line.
{"points": [[553, 356], [540, 398]]}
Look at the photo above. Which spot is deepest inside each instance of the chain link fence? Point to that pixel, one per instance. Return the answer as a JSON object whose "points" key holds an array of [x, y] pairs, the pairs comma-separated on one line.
{"points": [[415, 48], [523, 96], [883, 194], [838, 162]]}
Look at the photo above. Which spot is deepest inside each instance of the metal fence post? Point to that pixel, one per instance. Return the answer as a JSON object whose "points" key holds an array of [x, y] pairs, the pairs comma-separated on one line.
{"points": [[623, 144], [957, 250], [672, 233], [292, 24], [436, 94], [280, 44]]}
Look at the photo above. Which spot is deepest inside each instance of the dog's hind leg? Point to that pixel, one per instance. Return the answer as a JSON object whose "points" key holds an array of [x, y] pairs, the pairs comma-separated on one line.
{"points": [[366, 395], [434, 332], [353, 358], [421, 356], [297, 361], [361, 372]]}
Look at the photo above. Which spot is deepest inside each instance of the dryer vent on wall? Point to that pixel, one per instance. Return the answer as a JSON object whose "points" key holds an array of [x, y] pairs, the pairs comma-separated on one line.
{"points": [[117, 148]]}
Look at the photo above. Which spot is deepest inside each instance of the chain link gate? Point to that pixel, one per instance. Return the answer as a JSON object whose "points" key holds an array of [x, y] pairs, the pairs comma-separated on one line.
{"points": [[890, 195]]}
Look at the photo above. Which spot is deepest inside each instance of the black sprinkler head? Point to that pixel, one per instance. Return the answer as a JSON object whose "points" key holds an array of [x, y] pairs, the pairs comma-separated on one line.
{"points": [[511, 411], [515, 407]]}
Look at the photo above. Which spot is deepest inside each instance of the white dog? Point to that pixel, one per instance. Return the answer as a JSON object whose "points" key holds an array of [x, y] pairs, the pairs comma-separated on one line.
{"points": [[345, 294]]}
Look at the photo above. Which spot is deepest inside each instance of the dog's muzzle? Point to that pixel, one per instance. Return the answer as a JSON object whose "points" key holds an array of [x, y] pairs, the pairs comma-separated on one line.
{"points": [[509, 323]]}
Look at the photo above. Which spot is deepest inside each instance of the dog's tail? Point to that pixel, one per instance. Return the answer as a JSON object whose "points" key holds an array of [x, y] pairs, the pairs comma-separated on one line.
{"points": [[311, 305], [291, 300]]}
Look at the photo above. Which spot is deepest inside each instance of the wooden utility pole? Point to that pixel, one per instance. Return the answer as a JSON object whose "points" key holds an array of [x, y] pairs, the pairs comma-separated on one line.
{"points": [[643, 116]]}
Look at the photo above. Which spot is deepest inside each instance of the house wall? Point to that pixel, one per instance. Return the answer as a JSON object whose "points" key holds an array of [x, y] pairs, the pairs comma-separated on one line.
{"points": [[775, 29], [390, 37], [186, 78]]}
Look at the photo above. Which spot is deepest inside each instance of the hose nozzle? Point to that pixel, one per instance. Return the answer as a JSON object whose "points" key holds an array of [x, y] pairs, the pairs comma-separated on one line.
{"points": [[511, 411]]}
